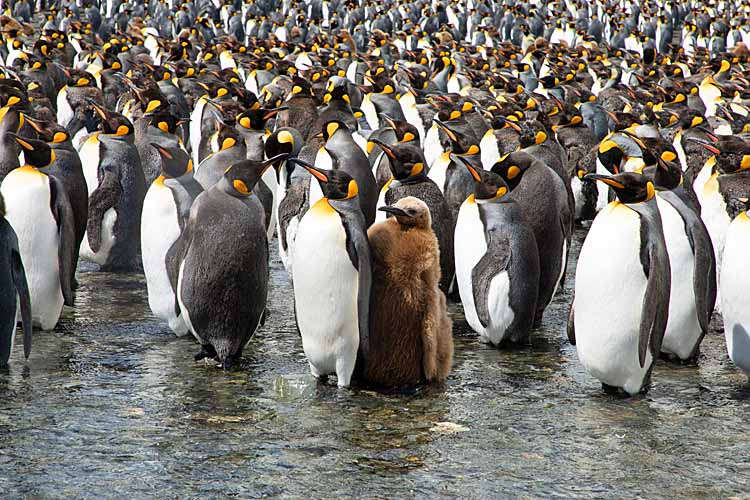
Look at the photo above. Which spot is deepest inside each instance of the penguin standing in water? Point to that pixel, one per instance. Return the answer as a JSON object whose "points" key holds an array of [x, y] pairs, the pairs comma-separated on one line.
{"points": [[222, 295], [38, 209], [410, 331], [735, 286], [166, 209], [497, 263], [14, 290], [621, 304], [116, 187], [409, 178], [332, 282], [691, 257]]}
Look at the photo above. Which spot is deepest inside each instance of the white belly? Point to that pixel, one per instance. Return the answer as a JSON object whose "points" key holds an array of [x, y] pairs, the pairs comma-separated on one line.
{"points": [[27, 201], [432, 147], [609, 289], [469, 247], [64, 111], [322, 160], [683, 328], [735, 286], [196, 118], [489, 150], [439, 170], [269, 177], [325, 292], [159, 230], [90, 157]]}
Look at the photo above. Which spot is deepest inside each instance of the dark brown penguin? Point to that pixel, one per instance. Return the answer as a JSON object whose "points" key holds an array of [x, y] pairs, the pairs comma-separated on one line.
{"points": [[410, 332]]}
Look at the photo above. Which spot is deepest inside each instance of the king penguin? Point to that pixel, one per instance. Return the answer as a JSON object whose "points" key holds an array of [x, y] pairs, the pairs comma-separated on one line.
{"points": [[735, 286], [621, 303], [332, 283], [497, 263], [39, 211], [14, 291], [222, 295], [410, 330], [166, 209]]}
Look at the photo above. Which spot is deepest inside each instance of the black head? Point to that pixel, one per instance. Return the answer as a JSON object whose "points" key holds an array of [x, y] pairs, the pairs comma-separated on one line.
{"points": [[225, 137], [284, 140], [406, 161], [79, 78], [337, 90], [36, 153], [488, 186], [511, 167], [48, 131], [255, 119], [166, 122], [610, 155], [531, 133], [405, 131], [175, 162], [461, 142], [113, 123], [335, 184], [242, 177], [668, 174], [333, 126], [628, 186]]}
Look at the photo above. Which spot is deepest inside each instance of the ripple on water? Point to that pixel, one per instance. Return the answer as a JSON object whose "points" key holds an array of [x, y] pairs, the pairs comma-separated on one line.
{"points": [[111, 405]]}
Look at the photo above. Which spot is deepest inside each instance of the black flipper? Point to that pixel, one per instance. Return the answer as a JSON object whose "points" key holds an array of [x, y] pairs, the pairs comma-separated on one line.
{"points": [[22, 288], [495, 260], [655, 261], [67, 252], [102, 199], [571, 324]]}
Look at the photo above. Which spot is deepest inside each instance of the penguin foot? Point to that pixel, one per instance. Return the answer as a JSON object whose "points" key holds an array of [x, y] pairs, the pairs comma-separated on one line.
{"points": [[610, 389], [207, 351]]}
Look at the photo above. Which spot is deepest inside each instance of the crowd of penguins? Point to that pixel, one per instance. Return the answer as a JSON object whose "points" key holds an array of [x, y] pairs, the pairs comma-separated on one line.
{"points": [[403, 153]]}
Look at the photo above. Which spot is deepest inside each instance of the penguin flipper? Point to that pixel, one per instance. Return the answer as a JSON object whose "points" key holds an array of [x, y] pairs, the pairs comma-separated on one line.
{"points": [[22, 288], [358, 248], [655, 262], [493, 262], [102, 199], [571, 324], [67, 251]]}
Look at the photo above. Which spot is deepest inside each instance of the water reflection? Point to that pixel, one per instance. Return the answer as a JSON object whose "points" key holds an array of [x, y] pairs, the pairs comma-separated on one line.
{"points": [[112, 402]]}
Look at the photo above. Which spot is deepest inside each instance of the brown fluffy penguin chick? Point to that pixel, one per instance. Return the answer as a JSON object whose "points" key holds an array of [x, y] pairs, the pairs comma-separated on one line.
{"points": [[411, 338]]}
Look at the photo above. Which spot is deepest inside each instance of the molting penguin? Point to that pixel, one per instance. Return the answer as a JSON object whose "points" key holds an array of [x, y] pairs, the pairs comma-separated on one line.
{"points": [[116, 187], [332, 283], [166, 209], [409, 178], [222, 296], [410, 331], [14, 290], [622, 282], [39, 211], [497, 263]]}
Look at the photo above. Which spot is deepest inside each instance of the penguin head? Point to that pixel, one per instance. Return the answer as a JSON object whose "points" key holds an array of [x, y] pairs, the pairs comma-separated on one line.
{"points": [[410, 212], [164, 121], [732, 153], [532, 133], [335, 184], [48, 131], [488, 185], [255, 119], [668, 174], [405, 131], [225, 137], [332, 127], [512, 166], [610, 155], [406, 161], [629, 187], [241, 178], [80, 78], [337, 90], [461, 142], [284, 140], [35, 152], [300, 87], [112, 123], [175, 162]]}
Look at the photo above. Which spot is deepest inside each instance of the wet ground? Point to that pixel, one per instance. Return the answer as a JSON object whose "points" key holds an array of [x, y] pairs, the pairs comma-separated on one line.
{"points": [[112, 406]]}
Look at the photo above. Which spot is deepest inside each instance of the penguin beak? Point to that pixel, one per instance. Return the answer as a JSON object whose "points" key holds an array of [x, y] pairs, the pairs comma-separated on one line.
{"points": [[511, 124], [386, 148], [473, 171], [99, 110], [710, 147], [273, 112], [318, 173], [603, 178], [276, 160], [394, 211], [447, 130]]}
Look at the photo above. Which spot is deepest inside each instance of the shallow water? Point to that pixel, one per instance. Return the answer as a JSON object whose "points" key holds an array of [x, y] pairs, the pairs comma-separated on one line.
{"points": [[112, 406]]}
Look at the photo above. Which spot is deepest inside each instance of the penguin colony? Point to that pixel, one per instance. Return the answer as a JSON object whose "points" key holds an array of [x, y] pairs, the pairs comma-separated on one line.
{"points": [[399, 153]]}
